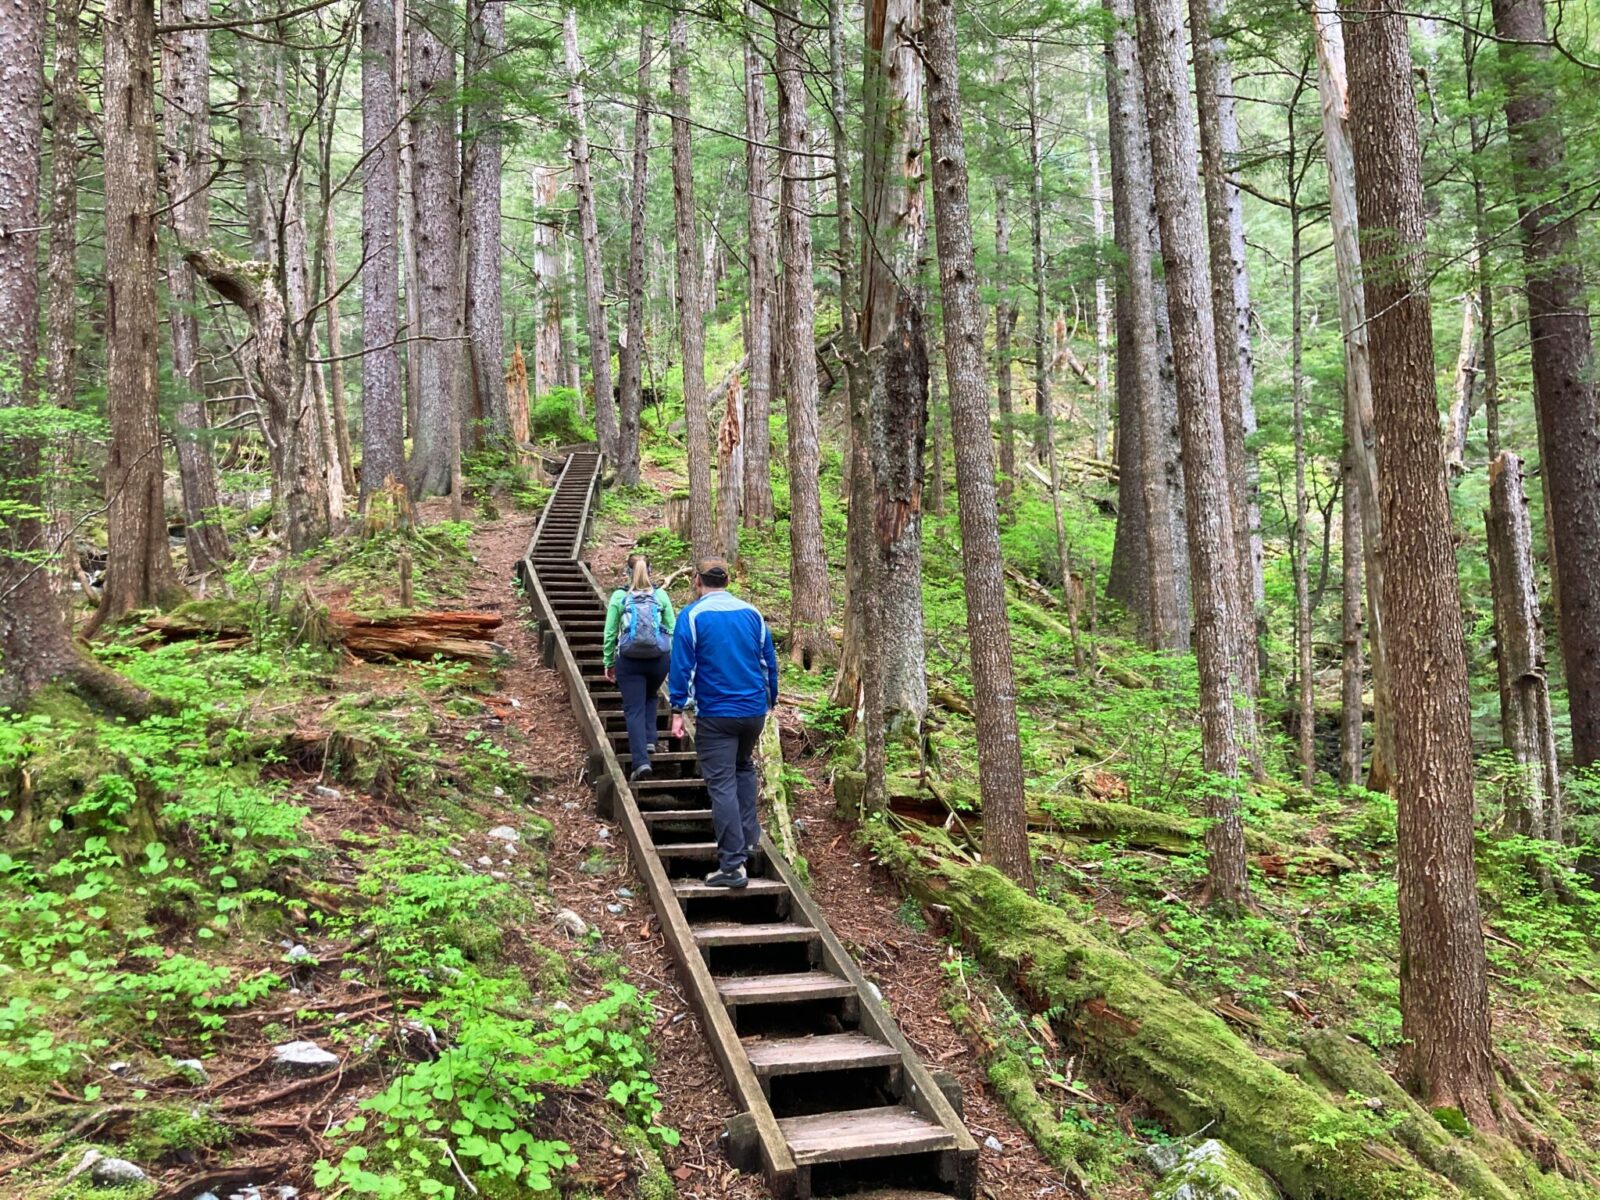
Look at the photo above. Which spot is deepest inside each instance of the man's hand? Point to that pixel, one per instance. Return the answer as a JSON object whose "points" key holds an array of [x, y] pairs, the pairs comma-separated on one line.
{"points": [[611, 674], [677, 725]]}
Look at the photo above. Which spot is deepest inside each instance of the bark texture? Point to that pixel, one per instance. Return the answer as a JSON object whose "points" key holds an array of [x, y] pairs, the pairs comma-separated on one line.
{"points": [[1360, 432], [1212, 560], [691, 313], [544, 185], [1533, 801], [893, 335], [1352, 668], [186, 116], [1443, 990], [1565, 396], [436, 223], [594, 286], [139, 571], [994, 692], [1160, 472], [486, 42], [809, 644], [1005, 319], [761, 251], [66, 117], [630, 355], [382, 405]]}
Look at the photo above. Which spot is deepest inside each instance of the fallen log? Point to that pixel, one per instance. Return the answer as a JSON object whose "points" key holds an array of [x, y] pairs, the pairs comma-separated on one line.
{"points": [[1179, 1058], [464, 636]]}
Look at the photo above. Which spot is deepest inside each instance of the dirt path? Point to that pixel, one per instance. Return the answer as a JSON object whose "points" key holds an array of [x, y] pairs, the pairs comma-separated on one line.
{"points": [[859, 902]]}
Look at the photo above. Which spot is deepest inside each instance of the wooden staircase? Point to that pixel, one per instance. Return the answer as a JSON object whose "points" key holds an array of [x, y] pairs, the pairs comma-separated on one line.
{"points": [[834, 1102]]}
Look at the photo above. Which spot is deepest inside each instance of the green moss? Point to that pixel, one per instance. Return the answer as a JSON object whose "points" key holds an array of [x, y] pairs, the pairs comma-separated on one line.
{"points": [[163, 1130], [1453, 1120], [1214, 1171], [1182, 1060], [1066, 1145]]}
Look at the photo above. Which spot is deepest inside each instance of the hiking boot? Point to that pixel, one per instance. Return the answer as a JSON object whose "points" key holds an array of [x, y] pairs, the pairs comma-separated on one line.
{"points": [[728, 879], [644, 772]]}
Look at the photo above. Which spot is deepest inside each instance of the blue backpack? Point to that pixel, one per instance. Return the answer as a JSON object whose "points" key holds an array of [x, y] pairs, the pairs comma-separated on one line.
{"points": [[642, 635]]}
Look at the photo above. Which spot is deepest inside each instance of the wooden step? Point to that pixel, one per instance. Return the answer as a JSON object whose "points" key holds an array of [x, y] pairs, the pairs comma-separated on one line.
{"points": [[663, 816], [734, 933], [661, 756], [693, 783], [824, 1052], [859, 1133], [705, 850], [782, 989], [698, 889]]}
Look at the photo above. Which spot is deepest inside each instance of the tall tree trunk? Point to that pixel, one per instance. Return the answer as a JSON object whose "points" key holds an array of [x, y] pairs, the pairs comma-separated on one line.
{"points": [[405, 100], [382, 407], [139, 570], [691, 316], [895, 342], [1230, 312], [66, 118], [630, 400], [1160, 474], [1444, 1002], [486, 43], [327, 255], [730, 468], [1533, 803], [1041, 359], [186, 114], [1129, 579], [436, 222], [994, 695], [1360, 433], [1565, 396], [35, 649], [570, 378], [1005, 317], [594, 288], [809, 645], [1213, 564], [1302, 500], [1465, 382], [758, 505], [1102, 309], [1352, 669], [543, 186], [936, 436]]}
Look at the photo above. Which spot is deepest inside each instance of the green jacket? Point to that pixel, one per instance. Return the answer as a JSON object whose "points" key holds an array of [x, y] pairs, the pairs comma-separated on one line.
{"points": [[614, 621]]}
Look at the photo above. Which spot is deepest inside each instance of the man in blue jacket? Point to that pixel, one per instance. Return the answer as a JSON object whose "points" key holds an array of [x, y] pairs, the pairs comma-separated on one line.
{"points": [[725, 671]]}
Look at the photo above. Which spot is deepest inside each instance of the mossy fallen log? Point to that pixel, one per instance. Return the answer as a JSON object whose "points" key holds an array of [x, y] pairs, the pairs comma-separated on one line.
{"points": [[1179, 1058], [1088, 820]]}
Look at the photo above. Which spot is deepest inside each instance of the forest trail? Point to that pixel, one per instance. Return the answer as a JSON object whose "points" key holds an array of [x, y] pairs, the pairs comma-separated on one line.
{"points": [[904, 961]]}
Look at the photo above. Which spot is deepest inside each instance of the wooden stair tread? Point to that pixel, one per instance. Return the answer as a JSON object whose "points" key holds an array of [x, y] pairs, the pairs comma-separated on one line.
{"points": [[735, 933], [695, 889], [658, 816], [822, 1052], [780, 989], [858, 1133]]}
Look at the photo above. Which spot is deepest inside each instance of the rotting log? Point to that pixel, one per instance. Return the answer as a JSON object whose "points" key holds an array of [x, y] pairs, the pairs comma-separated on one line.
{"points": [[1180, 1059], [1082, 819], [463, 636]]}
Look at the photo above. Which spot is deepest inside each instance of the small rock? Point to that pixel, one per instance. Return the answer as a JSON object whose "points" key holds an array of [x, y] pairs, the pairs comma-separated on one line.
{"points": [[193, 1068], [992, 1143], [561, 1006], [453, 850], [504, 833], [625, 893], [305, 1056], [603, 834], [499, 875], [515, 703], [498, 793], [1163, 1157], [592, 867], [116, 1173], [877, 992], [571, 924], [327, 793], [207, 1196], [570, 805], [1214, 1171], [801, 827], [298, 953], [614, 909], [678, 1016], [119, 1068], [485, 861]]}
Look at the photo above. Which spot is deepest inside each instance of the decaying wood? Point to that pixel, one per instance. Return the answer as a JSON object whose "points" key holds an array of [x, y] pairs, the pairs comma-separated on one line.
{"points": [[465, 636]]}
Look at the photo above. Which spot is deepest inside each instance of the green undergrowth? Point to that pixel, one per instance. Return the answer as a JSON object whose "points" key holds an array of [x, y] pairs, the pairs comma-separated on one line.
{"points": [[154, 873]]}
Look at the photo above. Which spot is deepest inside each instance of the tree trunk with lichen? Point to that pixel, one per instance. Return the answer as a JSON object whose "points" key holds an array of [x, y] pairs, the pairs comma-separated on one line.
{"points": [[809, 645], [139, 572], [757, 506], [630, 355], [485, 375]]}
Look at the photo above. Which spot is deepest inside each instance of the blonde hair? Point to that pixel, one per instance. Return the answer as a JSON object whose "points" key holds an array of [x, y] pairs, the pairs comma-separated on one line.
{"points": [[639, 578]]}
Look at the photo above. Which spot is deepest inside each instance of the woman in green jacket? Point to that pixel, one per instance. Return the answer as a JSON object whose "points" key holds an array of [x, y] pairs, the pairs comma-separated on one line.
{"points": [[638, 654]]}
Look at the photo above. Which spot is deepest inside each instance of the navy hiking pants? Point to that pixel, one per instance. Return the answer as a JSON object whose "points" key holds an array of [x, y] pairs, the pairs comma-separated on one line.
{"points": [[726, 747], [639, 680]]}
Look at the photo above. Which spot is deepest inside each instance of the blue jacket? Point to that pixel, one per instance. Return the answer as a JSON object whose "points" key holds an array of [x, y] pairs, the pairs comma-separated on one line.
{"points": [[723, 660]]}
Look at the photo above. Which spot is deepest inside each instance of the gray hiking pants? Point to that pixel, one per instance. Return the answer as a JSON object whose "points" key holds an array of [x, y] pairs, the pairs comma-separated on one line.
{"points": [[726, 747]]}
